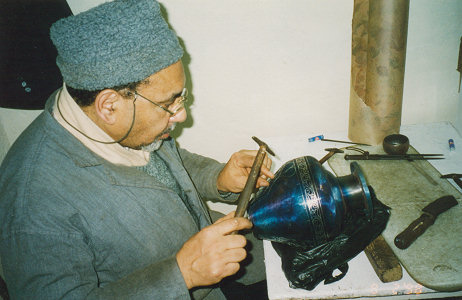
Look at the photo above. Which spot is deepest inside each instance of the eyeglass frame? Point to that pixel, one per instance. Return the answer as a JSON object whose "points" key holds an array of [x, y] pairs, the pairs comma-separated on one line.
{"points": [[183, 96]]}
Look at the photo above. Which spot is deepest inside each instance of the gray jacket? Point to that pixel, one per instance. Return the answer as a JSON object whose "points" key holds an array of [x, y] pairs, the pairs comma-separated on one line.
{"points": [[76, 226]]}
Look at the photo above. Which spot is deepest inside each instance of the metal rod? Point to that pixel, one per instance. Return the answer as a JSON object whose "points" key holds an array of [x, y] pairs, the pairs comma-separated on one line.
{"points": [[261, 143], [345, 142], [250, 185], [392, 157], [244, 197], [331, 153]]}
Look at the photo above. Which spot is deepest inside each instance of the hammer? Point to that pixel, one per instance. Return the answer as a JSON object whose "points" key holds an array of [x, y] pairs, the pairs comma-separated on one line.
{"points": [[332, 151], [244, 197], [455, 177]]}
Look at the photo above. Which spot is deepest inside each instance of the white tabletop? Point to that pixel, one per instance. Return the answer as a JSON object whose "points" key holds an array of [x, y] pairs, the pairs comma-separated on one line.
{"points": [[361, 280]]}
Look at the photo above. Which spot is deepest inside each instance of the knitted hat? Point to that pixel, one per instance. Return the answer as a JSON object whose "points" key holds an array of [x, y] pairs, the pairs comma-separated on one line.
{"points": [[113, 44]]}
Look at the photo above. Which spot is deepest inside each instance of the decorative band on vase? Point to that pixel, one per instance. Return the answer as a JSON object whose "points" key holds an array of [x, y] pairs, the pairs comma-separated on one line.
{"points": [[312, 200]]}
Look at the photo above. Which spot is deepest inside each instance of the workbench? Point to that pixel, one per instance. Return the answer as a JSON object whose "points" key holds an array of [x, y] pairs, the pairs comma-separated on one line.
{"points": [[361, 280]]}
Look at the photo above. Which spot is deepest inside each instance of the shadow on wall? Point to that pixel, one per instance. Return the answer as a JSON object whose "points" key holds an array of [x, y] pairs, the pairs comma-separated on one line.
{"points": [[190, 120], [186, 61]]}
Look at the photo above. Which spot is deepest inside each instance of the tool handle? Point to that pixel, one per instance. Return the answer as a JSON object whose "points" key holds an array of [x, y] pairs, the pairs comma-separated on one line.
{"points": [[459, 62], [326, 157], [413, 231], [384, 262], [244, 197]]}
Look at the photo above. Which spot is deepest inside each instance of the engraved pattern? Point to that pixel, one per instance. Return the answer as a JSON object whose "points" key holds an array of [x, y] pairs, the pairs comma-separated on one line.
{"points": [[312, 200]]}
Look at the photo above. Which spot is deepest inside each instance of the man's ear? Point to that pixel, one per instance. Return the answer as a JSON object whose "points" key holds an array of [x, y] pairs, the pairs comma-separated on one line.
{"points": [[105, 105]]}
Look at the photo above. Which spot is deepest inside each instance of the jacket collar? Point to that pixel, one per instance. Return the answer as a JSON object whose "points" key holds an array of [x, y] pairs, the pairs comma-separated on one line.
{"points": [[75, 150], [84, 158]]}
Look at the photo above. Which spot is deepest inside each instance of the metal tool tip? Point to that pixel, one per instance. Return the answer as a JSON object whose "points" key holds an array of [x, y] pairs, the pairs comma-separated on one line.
{"points": [[261, 143]]}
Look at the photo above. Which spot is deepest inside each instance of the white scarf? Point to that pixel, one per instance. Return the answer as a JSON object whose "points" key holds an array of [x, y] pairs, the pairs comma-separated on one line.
{"points": [[114, 153]]}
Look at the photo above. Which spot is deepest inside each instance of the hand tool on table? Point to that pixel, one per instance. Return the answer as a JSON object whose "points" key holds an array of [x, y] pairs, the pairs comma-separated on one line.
{"points": [[418, 226], [345, 142], [250, 185], [331, 153], [459, 63], [384, 262], [455, 177], [367, 156]]}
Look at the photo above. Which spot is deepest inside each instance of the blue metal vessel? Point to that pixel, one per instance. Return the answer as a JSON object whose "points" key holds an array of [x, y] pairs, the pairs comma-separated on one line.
{"points": [[306, 205]]}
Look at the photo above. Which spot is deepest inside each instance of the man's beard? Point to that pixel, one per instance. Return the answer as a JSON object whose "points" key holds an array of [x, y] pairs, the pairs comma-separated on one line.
{"points": [[154, 146]]}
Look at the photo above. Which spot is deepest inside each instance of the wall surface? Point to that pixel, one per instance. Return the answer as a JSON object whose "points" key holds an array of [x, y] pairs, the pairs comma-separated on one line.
{"points": [[271, 68], [282, 67]]}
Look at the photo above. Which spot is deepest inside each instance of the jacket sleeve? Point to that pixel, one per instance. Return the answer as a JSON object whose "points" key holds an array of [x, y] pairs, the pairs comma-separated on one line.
{"points": [[59, 266], [204, 173]]}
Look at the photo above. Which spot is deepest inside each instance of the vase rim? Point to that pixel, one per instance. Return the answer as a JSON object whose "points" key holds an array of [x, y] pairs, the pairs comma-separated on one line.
{"points": [[358, 173]]}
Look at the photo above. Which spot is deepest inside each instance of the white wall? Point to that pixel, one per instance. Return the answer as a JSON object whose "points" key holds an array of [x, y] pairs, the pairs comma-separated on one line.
{"points": [[282, 67], [278, 67]]}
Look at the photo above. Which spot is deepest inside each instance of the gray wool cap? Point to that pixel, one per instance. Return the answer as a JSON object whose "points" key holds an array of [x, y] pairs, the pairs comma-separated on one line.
{"points": [[113, 44]]}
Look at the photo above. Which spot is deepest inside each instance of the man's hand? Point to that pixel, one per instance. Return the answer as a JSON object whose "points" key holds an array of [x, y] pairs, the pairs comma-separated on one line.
{"points": [[213, 254], [234, 175]]}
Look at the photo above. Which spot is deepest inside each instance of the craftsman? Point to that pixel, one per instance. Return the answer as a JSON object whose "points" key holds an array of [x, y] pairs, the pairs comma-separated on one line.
{"points": [[96, 199]]}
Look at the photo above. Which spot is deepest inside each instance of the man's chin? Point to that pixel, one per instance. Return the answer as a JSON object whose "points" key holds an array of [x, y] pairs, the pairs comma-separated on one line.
{"points": [[158, 141]]}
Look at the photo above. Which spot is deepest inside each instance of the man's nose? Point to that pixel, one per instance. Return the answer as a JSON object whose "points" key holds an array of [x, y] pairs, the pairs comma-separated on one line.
{"points": [[179, 117]]}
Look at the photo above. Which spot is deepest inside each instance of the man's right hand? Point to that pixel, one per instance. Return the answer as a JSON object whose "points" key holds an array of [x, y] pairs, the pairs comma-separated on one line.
{"points": [[213, 253]]}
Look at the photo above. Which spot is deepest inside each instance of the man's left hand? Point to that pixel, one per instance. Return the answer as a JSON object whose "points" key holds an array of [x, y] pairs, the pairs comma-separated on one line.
{"points": [[234, 175]]}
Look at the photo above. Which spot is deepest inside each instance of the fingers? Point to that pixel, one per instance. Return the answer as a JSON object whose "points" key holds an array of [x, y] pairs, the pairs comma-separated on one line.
{"points": [[234, 175], [267, 162], [235, 255], [231, 269], [212, 254], [231, 242], [265, 171], [225, 225], [226, 264], [262, 182], [248, 159]]}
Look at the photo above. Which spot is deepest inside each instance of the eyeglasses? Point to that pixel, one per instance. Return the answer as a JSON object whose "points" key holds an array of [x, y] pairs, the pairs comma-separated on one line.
{"points": [[173, 108]]}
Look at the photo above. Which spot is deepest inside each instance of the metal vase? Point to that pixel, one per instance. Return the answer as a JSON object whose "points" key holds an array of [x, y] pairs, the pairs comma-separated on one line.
{"points": [[306, 205]]}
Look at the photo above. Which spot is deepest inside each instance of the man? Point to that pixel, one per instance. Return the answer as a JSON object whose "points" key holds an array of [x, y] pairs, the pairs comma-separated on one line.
{"points": [[96, 199]]}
